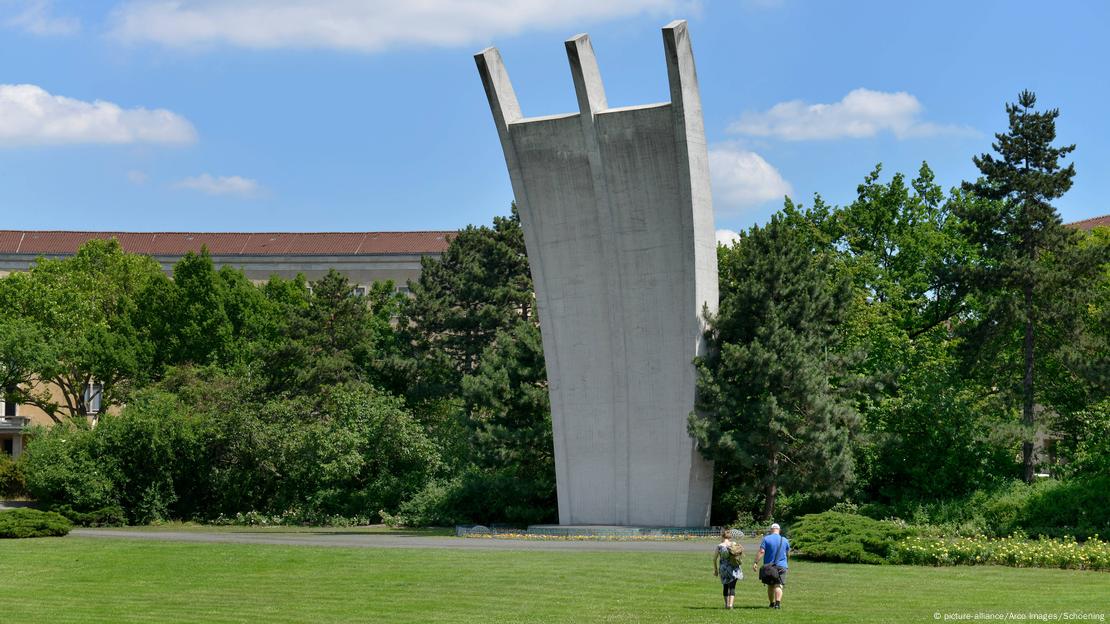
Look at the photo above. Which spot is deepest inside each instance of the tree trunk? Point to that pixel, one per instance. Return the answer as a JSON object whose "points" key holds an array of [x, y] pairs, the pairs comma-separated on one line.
{"points": [[771, 491], [1027, 417], [769, 503]]}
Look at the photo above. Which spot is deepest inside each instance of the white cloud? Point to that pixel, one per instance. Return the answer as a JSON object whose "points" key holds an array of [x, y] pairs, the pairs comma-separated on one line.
{"points": [[360, 25], [727, 237], [31, 116], [37, 18], [742, 179], [221, 185], [860, 114], [138, 178]]}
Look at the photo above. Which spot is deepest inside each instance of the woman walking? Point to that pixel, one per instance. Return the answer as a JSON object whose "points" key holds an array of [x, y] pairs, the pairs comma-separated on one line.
{"points": [[726, 565]]}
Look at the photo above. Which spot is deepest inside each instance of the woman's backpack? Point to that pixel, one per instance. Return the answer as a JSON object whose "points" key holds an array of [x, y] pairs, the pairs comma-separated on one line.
{"points": [[735, 551]]}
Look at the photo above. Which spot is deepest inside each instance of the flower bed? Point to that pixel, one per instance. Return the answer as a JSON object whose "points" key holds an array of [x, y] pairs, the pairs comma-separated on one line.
{"points": [[1094, 554], [586, 538]]}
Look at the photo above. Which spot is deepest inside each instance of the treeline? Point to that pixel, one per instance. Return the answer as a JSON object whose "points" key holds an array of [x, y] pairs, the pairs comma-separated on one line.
{"points": [[911, 353], [283, 401], [915, 346]]}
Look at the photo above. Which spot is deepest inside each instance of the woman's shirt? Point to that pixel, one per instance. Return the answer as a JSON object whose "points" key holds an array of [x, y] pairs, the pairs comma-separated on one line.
{"points": [[726, 569]]}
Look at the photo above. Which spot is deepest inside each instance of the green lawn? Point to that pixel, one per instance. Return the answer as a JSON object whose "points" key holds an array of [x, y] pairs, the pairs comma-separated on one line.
{"points": [[106, 580], [377, 529]]}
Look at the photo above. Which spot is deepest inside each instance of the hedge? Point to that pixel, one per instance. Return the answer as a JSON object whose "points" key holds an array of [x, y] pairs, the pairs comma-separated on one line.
{"points": [[20, 523], [843, 537]]}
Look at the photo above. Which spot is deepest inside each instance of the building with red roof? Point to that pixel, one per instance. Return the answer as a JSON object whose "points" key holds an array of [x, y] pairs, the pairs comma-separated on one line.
{"points": [[364, 257], [1092, 223]]}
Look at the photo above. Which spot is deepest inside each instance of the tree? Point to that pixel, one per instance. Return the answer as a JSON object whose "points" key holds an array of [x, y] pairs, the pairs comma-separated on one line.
{"points": [[473, 332], [327, 341], [480, 286], [509, 403], [331, 336], [24, 350], [1030, 273], [905, 247], [1082, 427], [204, 316], [927, 430], [770, 401], [510, 412], [185, 316], [85, 306]]}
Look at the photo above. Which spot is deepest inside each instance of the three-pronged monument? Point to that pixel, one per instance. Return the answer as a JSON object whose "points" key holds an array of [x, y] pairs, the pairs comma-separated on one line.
{"points": [[618, 223]]}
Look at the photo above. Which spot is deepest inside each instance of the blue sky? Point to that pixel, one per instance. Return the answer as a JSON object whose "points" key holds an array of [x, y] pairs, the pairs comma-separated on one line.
{"points": [[240, 115]]}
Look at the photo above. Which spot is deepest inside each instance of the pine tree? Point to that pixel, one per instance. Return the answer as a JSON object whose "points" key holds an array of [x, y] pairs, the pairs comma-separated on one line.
{"points": [[1029, 270], [479, 287], [769, 403], [328, 341]]}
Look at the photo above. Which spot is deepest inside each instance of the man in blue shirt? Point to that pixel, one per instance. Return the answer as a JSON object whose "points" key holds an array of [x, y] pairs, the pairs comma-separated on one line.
{"points": [[772, 551]]}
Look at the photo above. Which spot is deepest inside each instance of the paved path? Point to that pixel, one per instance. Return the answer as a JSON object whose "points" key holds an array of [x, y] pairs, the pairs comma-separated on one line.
{"points": [[6, 504], [340, 538]]}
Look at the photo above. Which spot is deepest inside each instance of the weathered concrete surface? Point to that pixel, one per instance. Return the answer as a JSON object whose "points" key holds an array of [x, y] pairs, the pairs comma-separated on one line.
{"points": [[618, 222]]}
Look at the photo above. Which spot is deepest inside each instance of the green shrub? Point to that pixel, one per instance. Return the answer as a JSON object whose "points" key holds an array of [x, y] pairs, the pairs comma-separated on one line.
{"points": [[144, 451], [61, 467], [431, 506], [19, 523], [12, 483], [343, 455], [478, 496], [1078, 507], [849, 538], [369, 453], [110, 516]]}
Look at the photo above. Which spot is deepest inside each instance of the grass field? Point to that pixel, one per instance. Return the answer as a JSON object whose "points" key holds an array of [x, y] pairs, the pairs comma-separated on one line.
{"points": [[77, 579], [377, 529]]}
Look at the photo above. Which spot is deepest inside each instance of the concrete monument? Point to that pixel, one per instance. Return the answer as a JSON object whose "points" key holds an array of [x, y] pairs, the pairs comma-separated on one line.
{"points": [[618, 223]]}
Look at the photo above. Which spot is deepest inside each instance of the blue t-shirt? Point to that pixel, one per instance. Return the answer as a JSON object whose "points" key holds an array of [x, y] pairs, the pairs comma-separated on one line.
{"points": [[770, 544]]}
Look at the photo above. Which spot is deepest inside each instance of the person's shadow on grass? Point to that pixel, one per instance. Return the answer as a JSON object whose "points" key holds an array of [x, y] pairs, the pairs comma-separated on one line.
{"points": [[734, 607]]}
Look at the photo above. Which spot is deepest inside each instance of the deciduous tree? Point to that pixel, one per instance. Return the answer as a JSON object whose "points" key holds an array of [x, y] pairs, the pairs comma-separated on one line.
{"points": [[85, 306]]}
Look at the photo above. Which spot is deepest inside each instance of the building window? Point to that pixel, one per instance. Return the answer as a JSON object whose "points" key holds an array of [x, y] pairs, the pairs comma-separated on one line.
{"points": [[360, 291], [92, 396], [10, 407]]}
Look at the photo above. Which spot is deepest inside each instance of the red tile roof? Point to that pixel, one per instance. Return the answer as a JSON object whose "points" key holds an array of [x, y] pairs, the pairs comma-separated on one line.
{"points": [[232, 243], [1092, 223]]}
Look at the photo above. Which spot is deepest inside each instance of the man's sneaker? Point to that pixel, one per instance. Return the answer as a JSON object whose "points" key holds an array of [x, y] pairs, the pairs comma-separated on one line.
{"points": [[777, 605]]}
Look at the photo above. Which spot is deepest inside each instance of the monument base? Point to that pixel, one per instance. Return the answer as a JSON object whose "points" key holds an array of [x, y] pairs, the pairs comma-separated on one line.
{"points": [[599, 530]]}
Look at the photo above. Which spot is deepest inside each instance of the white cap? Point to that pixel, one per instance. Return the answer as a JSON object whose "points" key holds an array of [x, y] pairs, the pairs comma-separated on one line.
{"points": [[775, 526]]}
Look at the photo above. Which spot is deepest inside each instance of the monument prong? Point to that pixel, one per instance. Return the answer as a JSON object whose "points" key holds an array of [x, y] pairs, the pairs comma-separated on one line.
{"points": [[683, 76], [587, 77], [506, 110], [499, 89]]}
